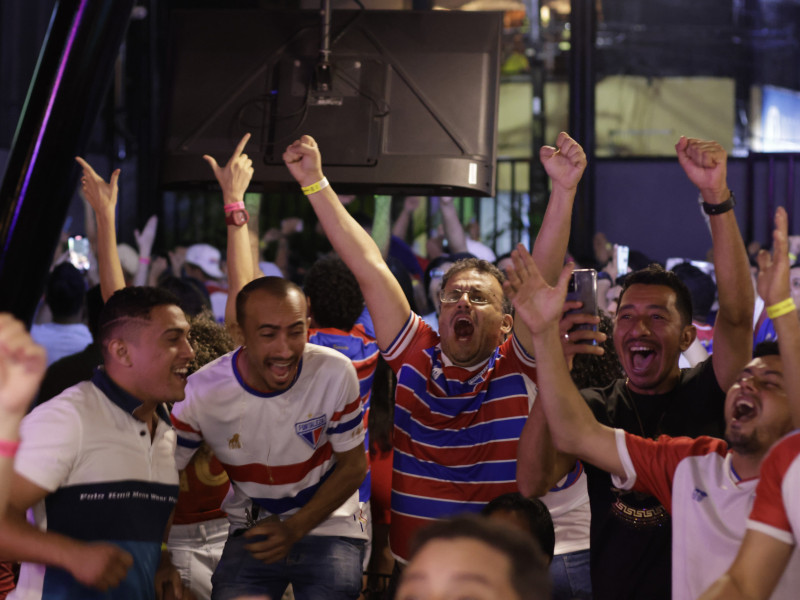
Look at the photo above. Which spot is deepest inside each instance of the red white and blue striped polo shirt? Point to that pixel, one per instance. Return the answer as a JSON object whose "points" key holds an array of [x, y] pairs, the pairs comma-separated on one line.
{"points": [[456, 430]]}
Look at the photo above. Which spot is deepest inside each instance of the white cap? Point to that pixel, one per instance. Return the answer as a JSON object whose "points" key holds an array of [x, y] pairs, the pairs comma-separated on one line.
{"points": [[206, 257]]}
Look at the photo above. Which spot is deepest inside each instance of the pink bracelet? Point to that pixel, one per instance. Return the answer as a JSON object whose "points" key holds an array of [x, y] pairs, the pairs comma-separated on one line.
{"points": [[8, 448], [233, 207], [144, 260]]}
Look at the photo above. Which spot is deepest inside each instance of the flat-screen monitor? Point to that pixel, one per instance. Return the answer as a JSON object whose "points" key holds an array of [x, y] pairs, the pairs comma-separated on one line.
{"points": [[408, 103]]}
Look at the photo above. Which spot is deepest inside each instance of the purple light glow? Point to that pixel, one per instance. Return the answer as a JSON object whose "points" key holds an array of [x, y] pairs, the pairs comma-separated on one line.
{"points": [[54, 91]]}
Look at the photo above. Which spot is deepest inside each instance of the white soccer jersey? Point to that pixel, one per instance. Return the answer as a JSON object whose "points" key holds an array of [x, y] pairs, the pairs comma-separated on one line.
{"points": [[107, 482], [277, 448], [695, 480]]}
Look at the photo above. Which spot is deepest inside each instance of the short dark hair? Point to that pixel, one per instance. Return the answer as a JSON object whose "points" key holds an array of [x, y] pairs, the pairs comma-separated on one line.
{"points": [[655, 274], [529, 575], [540, 523], [66, 291], [275, 286], [336, 299], [768, 348], [131, 303], [482, 266]]}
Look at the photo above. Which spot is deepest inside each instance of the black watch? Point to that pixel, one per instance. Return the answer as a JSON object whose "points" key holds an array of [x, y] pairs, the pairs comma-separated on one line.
{"points": [[722, 207]]}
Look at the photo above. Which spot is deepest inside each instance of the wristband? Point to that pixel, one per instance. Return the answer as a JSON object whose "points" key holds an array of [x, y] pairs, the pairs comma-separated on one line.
{"points": [[781, 308], [164, 547], [315, 187], [8, 448], [144, 260], [722, 207], [234, 206]]}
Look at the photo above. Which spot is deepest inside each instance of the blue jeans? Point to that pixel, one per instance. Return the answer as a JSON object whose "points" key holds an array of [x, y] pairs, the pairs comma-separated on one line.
{"points": [[318, 567], [570, 575]]}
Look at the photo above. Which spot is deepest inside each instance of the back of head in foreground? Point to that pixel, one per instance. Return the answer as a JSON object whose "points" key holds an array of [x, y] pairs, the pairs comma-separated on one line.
{"points": [[531, 514], [334, 295], [470, 556]]}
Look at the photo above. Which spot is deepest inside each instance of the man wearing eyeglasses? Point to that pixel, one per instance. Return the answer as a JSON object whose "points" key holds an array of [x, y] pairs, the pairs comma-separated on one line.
{"points": [[463, 395]]}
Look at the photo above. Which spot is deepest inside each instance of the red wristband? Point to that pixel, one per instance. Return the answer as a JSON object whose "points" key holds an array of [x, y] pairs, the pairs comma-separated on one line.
{"points": [[229, 208], [8, 448]]}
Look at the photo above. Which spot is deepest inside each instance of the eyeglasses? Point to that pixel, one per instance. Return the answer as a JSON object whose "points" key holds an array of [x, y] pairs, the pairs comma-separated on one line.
{"points": [[475, 296]]}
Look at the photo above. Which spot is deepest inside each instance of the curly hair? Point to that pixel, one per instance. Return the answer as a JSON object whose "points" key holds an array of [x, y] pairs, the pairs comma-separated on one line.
{"points": [[209, 339], [332, 289], [589, 370]]}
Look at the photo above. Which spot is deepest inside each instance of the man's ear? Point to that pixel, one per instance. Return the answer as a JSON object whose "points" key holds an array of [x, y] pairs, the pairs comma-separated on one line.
{"points": [[507, 324], [688, 336], [118, 352]]}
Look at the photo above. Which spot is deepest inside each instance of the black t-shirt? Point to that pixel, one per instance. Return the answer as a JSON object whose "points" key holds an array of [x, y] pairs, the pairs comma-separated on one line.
{"points": [[631, 531]]}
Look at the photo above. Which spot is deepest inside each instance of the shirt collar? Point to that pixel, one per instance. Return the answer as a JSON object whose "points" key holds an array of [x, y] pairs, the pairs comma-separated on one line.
{"points": [[124, 400]]}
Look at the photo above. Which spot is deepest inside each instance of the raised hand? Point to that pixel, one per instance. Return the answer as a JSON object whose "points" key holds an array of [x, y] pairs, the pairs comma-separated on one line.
{"points": [[304, 161], [99, 193], [145, 238], [564, 163], [706, 164], [537, 304], [22, 366], [773, 271], [236, 175]]}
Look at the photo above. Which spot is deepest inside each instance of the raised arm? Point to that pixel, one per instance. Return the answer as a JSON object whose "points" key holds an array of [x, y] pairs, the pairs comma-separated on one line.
{"points": [[22, 366], [573, 428], [705, 163], [234, 178], [762, 558], [564, 164], [144, 243], [384, 297], [102, 197], [453, 229]]}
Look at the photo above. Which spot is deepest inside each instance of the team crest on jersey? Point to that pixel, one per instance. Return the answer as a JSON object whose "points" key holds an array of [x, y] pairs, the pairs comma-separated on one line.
{"points": [[311, 431]]}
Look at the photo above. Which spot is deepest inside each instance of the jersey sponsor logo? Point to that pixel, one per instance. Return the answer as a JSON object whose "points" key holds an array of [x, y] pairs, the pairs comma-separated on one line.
{"points": [[311, 431], [699, 495], [234, 442]]}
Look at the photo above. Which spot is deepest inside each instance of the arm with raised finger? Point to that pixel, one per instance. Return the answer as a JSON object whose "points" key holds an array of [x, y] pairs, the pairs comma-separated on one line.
{"points": [[234, 178], [102, 197]]}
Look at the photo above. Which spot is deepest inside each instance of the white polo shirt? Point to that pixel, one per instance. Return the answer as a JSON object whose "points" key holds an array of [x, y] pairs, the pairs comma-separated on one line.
{"points": [[108, 482]]}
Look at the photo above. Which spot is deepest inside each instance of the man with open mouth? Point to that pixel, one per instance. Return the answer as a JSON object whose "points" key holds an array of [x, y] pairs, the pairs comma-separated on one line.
{"points": [[463, 395], [630, 533], [706, 484]]}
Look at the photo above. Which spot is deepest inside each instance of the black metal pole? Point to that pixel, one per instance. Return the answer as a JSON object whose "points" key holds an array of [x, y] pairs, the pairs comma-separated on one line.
{"points": [[582, 121], [66, 92]]}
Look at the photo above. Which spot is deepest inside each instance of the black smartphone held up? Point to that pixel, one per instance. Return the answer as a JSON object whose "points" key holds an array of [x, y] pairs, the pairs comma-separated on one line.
{"points": [[583, 288]]}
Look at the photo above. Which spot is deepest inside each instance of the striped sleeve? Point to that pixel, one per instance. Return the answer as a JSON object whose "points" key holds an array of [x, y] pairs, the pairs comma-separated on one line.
{"points": [[188, 429], [346, 426]]}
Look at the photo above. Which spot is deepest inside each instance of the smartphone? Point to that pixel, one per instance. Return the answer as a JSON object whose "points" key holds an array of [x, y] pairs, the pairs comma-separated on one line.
{"points": [[583, 288], [78, 248], [621, 254]]}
